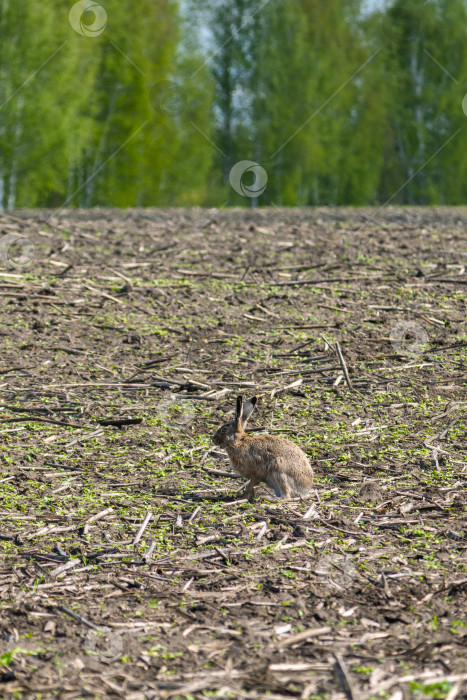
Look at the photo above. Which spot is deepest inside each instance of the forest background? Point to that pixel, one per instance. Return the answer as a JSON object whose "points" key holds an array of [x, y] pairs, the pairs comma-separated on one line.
{"points": [[152, 103]]}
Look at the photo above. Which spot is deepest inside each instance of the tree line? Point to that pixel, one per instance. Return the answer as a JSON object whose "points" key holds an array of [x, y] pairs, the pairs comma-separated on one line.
{"points": [[153, 103]]}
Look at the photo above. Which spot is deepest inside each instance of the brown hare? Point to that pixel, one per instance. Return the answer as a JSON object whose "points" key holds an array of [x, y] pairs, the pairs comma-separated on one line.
{"points": [[278, 462]]}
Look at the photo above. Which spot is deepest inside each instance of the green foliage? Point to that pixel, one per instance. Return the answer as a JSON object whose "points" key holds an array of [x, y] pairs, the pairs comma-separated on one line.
{"points": [[45, 82], [426, 67], [81, 121]]}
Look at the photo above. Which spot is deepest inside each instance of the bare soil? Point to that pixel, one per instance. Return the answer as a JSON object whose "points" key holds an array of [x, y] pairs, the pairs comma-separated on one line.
{"points": [[131, 566]]}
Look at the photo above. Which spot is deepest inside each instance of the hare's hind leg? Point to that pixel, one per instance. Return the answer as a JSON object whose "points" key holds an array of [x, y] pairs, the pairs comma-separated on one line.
{"points": [[279, 483]]}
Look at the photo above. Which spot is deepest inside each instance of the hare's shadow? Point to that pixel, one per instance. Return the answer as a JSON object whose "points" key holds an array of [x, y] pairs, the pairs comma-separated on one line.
{"points": [[261, 493], [197, 498]]}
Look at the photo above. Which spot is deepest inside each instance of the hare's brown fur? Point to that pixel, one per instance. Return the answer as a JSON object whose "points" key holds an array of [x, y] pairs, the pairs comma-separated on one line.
{"points": [[281, 464]]}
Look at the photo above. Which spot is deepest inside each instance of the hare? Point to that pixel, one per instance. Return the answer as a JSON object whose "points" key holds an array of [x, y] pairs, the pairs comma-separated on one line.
{"points": [[278, 462]]}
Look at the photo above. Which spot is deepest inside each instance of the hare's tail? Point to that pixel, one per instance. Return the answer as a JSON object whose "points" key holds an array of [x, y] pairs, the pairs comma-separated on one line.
{"points": [[298, 487]]}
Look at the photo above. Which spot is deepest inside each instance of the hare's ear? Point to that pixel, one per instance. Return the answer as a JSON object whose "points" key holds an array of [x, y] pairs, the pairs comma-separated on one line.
{"points": [[239, 412], [248, 409]]}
